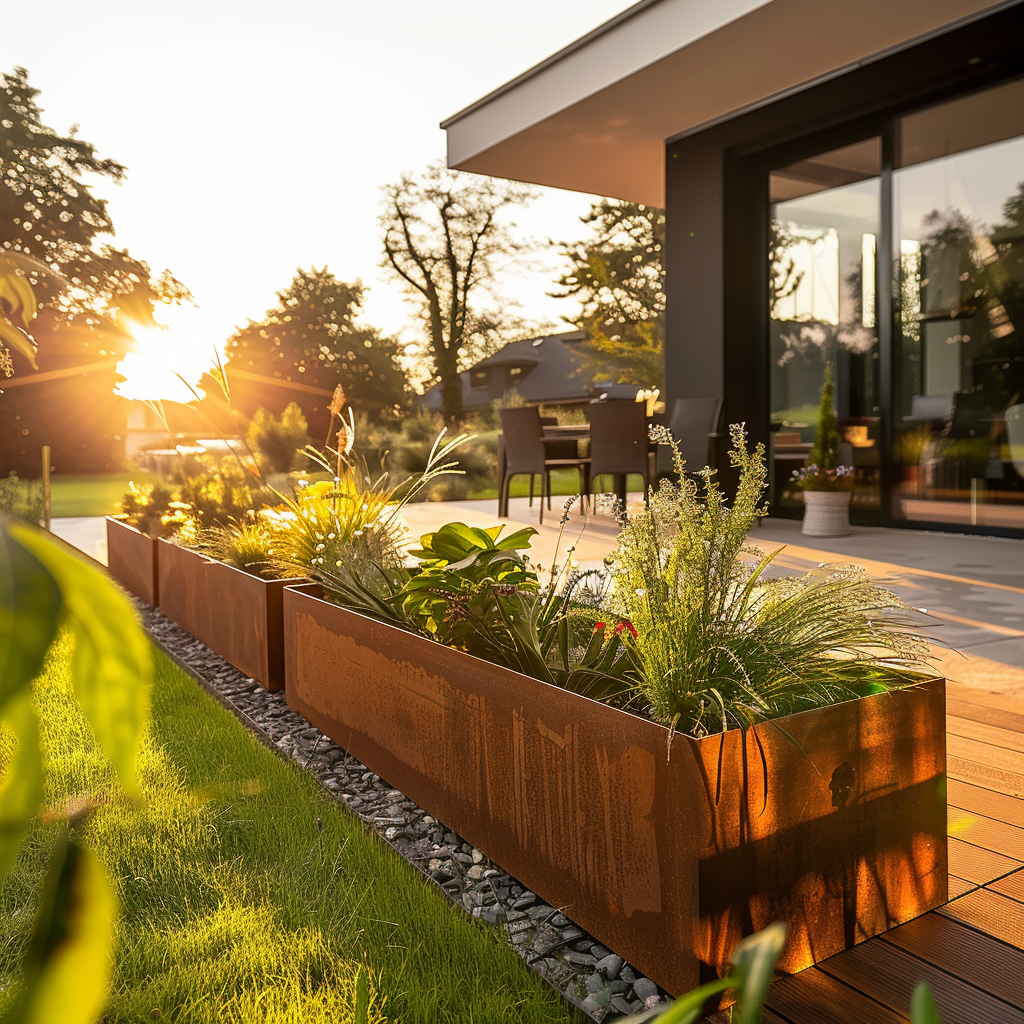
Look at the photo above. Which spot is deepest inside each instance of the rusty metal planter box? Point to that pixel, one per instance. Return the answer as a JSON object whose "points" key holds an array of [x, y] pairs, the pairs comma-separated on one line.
{"points": [[840, 830], [131, 560], [237, 615]]}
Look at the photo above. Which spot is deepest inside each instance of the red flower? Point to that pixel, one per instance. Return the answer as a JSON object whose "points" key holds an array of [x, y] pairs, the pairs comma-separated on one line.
{"points": [[598, 626], [626, 625]]}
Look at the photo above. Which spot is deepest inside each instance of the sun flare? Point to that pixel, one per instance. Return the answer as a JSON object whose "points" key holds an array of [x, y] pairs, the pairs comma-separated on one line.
{"points": [[164, 358]]}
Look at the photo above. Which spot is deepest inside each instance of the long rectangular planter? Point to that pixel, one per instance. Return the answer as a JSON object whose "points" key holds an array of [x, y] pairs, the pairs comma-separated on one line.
{"points": [[132, 560], [666, 856], [237, 615]]}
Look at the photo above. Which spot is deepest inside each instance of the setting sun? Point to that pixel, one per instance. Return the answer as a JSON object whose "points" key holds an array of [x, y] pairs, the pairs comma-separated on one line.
{"points": [[163, 356]]}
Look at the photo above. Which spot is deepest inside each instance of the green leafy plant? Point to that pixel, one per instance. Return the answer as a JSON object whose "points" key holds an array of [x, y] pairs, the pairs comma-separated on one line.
{"points": [[719, 644], [466, 577], [823, 471], [18, 306], [43, 589], [476, 591]]}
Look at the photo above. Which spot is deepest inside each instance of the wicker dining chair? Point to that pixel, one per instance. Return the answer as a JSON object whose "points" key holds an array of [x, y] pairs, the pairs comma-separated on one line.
{"points": [[525, 452], [619, 443]]}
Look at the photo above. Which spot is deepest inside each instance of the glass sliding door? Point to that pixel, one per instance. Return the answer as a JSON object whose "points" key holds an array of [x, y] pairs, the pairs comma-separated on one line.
{"points": [[825, 222], [958, 374]]}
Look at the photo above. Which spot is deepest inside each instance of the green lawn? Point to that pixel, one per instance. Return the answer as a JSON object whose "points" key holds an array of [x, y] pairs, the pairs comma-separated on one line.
{"points": [[563, 481], [97, 495], [234, 909]]}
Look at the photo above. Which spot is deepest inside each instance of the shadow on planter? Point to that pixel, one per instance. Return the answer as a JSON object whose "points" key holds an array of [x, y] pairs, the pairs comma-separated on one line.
{"points": [[237, 615], [132, 560], [840, 831]]}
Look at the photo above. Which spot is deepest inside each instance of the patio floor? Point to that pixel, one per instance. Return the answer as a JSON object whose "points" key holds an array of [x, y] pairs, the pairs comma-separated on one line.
{"points": [[970, 951]]}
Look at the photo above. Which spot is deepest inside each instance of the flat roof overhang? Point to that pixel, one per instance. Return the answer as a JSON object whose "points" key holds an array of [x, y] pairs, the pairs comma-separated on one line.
{"points": [[595, 116]]}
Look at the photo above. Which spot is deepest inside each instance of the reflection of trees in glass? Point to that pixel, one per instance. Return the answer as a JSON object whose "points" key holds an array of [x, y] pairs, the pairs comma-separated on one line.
{"points": [[949, 282], [813, 337], [783, 277], [1006, 271], [910, 292]]}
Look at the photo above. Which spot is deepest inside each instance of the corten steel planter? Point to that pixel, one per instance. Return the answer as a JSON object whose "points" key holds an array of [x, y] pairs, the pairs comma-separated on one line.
{"points": [[840, 830], [237, 615], [131, 560]]}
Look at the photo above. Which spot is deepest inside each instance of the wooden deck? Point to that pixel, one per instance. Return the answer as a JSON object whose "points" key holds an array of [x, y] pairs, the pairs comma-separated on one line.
{"points": [[970, 951]]}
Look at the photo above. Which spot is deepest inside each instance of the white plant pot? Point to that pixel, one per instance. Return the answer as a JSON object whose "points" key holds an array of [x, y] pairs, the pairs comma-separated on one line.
{"points": [[826, 514]]}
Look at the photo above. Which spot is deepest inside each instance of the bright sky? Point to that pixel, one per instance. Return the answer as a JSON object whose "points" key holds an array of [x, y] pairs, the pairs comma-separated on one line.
{"points": [[257, 134]]}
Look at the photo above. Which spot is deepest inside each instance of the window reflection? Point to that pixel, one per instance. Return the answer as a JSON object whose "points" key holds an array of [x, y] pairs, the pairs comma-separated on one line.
{"points": [[822, 286], [958, 222]]}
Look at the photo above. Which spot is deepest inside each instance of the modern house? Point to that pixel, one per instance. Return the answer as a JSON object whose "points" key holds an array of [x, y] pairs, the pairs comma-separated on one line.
{"points": [[543, 371], [843, 183]]}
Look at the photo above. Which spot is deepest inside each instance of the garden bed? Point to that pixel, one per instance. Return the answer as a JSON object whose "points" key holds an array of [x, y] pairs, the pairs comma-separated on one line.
{"points": [[236, 614], [132, 560], [840, 830]]}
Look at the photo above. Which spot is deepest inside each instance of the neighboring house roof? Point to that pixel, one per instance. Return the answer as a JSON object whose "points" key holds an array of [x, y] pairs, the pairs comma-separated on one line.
{"points": [[595, 116], [549, 373]]}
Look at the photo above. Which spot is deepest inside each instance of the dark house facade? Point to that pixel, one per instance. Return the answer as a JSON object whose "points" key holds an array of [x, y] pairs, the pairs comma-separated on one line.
{"points": [[542, 371], [843, 185]]}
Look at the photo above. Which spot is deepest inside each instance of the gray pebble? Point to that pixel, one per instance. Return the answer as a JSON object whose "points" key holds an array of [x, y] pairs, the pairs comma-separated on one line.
{"points": [[610, 965], [644, 988]]}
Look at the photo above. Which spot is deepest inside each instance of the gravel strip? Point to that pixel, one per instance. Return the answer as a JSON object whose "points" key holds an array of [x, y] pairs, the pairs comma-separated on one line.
{"points": [[589, 975]]}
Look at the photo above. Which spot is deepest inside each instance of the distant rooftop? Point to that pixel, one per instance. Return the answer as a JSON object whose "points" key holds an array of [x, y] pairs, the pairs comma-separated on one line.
{"points": [[543, 370]]}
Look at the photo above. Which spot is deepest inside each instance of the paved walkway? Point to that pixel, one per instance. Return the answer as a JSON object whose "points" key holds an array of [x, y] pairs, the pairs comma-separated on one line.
{"points": [[972, 587]]}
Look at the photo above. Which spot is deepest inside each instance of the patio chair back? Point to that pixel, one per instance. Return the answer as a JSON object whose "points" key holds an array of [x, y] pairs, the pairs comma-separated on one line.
{"points": [[618, 438], [693, 421], [524, 444]]}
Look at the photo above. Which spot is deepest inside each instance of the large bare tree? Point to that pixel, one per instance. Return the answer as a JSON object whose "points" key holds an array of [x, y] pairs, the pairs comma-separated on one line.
{"points": [[446, 237]]}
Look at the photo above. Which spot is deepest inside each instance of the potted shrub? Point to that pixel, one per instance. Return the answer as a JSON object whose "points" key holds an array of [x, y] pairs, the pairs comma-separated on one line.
{"points": [[826, 484], [676, 762]]}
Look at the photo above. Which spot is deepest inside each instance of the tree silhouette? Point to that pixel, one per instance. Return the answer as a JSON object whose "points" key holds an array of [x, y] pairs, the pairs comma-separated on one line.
{"points": [[308, 344], [445, 240], [91, 297], [617, 275]]}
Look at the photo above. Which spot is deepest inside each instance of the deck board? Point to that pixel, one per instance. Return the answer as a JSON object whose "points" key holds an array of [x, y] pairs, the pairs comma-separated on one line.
{"points": [[818, 998], [985, 775], [1011, 885], [994, 735], [958, 886], [990, 833], [958, 707], [977, 864], [990, 912], [961, 951], [1002, 702], [983, 753], [889, 975], [980, 800], [971, 951]]}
